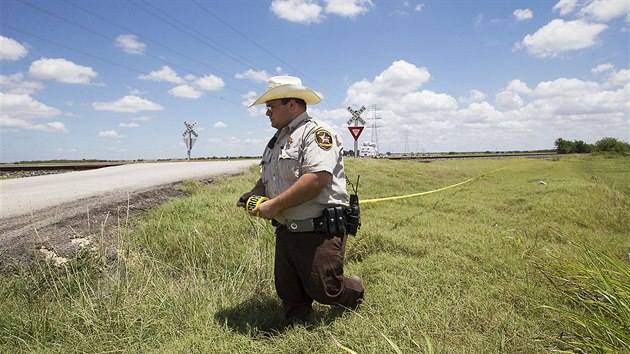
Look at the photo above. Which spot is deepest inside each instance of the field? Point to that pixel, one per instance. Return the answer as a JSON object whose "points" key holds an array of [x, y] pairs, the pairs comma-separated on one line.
{"points": [[530, 255]]}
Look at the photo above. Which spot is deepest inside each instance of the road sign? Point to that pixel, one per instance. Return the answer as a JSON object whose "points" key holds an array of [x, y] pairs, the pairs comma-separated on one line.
{"points": [[356, 132], [356, 115], [189, 140], [356, 129]]}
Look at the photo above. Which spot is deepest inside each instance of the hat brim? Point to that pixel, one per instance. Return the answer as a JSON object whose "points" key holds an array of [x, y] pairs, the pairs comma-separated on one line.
{"points": [[288, 91]]}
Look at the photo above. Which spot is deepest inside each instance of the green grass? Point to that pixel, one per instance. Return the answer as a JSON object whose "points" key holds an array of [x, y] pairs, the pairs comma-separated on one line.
{"points": [[496, 265]]}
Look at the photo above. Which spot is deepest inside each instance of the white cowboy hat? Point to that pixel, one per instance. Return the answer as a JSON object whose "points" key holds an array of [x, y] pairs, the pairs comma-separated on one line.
{"points": [[287, 87]]}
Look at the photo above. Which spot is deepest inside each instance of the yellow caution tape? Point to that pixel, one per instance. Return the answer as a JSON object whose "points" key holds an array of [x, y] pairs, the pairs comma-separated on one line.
{"points": [[378, 200], [253, 202]]}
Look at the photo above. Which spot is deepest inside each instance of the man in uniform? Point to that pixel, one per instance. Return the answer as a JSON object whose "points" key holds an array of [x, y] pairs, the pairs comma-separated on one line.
{"points": [[302, 174]]}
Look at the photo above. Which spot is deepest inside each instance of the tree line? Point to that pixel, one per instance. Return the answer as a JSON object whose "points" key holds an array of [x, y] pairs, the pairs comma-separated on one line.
{"points": [[607, 145]]}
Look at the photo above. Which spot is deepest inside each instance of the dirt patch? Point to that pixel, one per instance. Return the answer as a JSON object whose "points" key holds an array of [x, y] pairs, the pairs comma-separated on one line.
{"points": [[57, 233]]}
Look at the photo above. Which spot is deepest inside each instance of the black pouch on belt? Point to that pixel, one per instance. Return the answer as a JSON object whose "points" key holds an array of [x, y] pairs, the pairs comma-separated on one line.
{"points": [[335, 220]]}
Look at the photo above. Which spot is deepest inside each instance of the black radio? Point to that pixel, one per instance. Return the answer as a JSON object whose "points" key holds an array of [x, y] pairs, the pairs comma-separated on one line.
{"points": [[353, 212]]}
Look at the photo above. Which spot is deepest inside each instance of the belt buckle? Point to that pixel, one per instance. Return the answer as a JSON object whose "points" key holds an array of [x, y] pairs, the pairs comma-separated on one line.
{"points": [[300, 225]]}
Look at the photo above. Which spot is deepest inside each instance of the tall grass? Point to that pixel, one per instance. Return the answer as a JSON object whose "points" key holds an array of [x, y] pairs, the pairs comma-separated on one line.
{"points": [[598, 289], [489, 266]]}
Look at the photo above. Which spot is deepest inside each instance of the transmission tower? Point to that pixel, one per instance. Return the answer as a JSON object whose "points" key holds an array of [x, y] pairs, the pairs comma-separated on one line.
{"points": [[374, 126]]}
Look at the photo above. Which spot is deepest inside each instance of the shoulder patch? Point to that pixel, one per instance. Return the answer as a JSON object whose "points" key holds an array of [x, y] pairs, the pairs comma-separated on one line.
{"points": [[324, 139]]}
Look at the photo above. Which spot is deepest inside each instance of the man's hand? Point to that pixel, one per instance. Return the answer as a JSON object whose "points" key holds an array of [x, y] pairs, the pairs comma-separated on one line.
{"points": [[267, 210], [243, 199], [259, 189]]}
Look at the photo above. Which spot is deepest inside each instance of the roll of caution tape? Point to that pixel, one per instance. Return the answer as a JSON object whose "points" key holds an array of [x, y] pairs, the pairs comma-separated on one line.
{"points": [[253, 202]]}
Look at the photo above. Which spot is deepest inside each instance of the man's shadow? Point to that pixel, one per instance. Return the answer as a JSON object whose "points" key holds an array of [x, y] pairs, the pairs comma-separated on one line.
{"points": [[262, 316]]}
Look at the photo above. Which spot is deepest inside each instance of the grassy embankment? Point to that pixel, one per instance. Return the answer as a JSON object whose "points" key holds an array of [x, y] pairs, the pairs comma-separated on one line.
{"points": [[501, 264]]}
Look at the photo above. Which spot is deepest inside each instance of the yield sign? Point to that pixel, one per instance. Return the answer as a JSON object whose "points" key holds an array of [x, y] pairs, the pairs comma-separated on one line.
{"points": [[355, 131]]}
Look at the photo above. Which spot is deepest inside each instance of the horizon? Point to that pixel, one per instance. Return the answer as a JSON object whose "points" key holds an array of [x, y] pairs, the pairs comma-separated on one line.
{"points": [[117, 80]]}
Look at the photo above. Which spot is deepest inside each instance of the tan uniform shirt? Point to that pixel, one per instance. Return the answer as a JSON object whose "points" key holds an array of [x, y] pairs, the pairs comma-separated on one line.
{"points": [[305, 146]]}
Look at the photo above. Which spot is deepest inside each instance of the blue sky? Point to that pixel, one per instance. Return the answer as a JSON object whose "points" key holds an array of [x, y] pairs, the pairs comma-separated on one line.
{"points": [[117, 79]]}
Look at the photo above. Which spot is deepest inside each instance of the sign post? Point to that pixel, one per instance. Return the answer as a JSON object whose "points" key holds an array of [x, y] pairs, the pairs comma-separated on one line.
{"points": [[356, 129], [188, 136]]}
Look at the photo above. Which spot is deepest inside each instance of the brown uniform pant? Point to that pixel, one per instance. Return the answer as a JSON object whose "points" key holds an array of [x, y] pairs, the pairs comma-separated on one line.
{"points": [[309, 266]]}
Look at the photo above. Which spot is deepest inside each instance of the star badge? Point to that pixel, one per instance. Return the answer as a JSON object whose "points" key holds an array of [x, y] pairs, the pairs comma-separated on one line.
{"points": [[324, 139]]}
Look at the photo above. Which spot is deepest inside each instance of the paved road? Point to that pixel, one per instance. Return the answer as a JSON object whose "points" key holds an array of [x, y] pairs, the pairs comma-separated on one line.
{"points": [[24, 195]]}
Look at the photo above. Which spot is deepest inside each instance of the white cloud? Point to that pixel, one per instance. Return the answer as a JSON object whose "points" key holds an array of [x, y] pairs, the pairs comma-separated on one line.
{"points": [[606, 10], [473, 96], [508, 100], [301, 11], [164, 74], [219, 124], [210, 83], [426, 101], [619, 78], [15, 124], [401, 77], [10, 49], [128, 125], [130, 44], [348, 8], [481, 116], [256, 76], [185, 91], [24, 107], [523, 14], [17, 111], [61, 70], [110, 134], [565, 7], [601, 68], [565, 87], [518, 86], [16, 84], [130, 104], [521, 117], [478, 20], [559, 36]]}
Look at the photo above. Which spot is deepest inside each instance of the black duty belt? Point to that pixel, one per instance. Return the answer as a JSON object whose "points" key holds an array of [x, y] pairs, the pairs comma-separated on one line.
{"points": [[332, 222]]}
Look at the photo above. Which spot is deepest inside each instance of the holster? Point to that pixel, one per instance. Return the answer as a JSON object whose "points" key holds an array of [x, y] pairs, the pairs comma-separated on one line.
{"points": [[335, 218]]}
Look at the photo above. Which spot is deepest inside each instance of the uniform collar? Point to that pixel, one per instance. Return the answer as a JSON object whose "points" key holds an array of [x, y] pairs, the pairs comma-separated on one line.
{"points": [[299, 120]]}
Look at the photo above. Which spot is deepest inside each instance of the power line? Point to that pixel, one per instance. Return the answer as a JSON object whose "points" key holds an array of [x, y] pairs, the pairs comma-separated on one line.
{"points": [[262, 48], [72, 49], [87, 29], [197, 33], [144, 37], [97, 57], [52, 14]]}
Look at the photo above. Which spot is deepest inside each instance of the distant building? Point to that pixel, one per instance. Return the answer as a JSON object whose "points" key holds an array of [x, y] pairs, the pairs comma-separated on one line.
{"points": [[368, 150]]}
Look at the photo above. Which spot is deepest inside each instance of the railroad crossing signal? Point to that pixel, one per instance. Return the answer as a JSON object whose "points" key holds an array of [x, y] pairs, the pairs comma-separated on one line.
{"points": [[356, 115], [356, 130], [188, 136]]}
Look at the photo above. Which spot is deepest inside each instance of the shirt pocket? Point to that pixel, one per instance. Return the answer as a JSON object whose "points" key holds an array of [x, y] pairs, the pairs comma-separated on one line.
{"points": [[289, 164], [265, 167]]}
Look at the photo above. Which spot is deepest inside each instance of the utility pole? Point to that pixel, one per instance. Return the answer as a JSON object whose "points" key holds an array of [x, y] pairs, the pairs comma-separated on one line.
{"points": [[188, 136]]}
